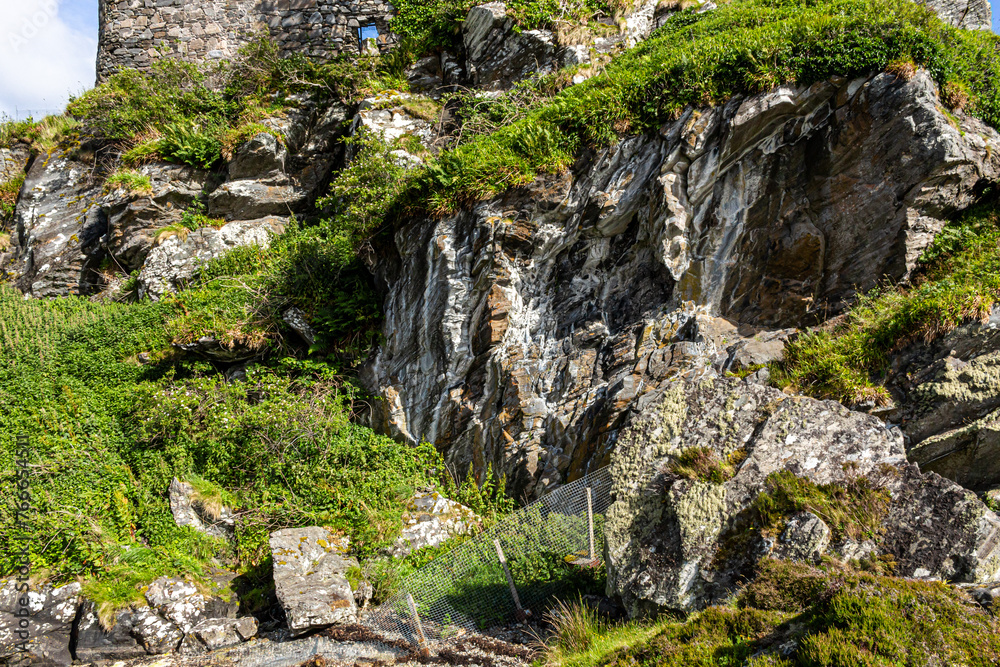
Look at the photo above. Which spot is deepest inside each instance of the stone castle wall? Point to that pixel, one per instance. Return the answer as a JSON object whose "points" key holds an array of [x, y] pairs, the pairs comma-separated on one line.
{"points": [[135, 33]]}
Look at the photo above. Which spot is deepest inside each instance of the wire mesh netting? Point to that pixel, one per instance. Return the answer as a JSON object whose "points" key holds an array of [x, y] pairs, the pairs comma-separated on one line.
{"points": [[545, 545]]}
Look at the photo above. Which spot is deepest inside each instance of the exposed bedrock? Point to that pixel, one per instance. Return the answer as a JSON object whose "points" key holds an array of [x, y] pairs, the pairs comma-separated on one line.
{"points": [[518, 332]]}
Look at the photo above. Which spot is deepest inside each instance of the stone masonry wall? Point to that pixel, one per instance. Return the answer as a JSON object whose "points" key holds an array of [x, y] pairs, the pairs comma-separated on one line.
{"points": [[135, 33]]}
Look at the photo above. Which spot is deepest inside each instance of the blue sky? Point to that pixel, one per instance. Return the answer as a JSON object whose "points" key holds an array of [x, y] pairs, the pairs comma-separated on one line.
{"points": [[48, 49]]}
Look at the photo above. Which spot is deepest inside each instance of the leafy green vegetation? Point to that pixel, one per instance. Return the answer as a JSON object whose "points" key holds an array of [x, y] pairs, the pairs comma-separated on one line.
{"points": [[852, 510], [114, 413], [832, 615], [959, 280]]}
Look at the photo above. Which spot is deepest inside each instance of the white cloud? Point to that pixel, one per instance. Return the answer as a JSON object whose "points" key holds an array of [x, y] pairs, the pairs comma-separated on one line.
{"points": [[42, 59]]}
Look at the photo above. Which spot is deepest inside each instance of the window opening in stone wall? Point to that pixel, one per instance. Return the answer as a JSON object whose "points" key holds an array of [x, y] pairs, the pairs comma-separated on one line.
{"points": [[369, 31]]}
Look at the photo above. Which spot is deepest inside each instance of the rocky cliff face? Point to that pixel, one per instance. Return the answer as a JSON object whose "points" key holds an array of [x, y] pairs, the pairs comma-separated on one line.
{"points": [[518, 333]]}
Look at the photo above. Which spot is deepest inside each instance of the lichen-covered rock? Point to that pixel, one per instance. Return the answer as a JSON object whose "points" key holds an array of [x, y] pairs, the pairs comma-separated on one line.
{"points": [[680, 542], [175, 261], [13, 161], [519, 332], [806, 538], [48, 627], [431, 519], [948, 397], [94, 642], [387, 116], [309, 578], [57, 231], [156, 634]]}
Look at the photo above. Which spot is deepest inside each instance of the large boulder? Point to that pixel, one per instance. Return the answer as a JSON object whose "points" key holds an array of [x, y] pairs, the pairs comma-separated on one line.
{"points": [[691, 466], [176, 260], [50, 610], [310, 579], [520, 331]]}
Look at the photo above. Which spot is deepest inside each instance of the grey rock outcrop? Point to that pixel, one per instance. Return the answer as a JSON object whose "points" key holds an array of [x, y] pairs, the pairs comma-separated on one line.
{"points": [[216, 633], [969, 14], [252, 200], [947, 395], [498, 55], [175, 261], [48, 626], [681, 543], [261, 158], [134, 221], [13, 161], [94, 642], [57, 231], [310, 578], [178, 617], [518, 332]]}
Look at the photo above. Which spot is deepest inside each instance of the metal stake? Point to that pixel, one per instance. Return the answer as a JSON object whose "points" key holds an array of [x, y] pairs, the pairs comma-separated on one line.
{"points": [[420, 628], [590, 522], [510, 582]]}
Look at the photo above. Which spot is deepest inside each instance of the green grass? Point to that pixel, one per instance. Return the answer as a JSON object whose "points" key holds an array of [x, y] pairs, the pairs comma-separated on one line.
{"points": [[959, 281], [704, 464], [834, 617], [130, 181]]}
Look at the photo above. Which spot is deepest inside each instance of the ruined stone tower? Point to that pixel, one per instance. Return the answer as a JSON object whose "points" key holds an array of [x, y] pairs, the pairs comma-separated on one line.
{"points": [[135, 33]]}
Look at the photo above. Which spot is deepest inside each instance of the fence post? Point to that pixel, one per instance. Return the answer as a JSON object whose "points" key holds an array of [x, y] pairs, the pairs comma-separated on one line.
{"points": [[521, 616], [420, 628], [590, 523]]}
